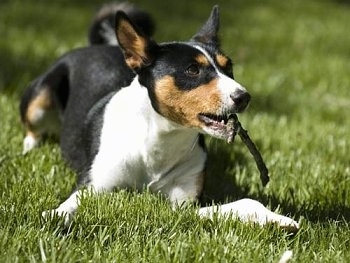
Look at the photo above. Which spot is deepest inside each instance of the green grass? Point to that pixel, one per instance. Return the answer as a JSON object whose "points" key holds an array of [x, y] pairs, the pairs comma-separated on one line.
{"points": [[293, 56]]}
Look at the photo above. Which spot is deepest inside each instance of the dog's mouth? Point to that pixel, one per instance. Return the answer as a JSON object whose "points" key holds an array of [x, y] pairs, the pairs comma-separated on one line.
{"points": [[219, 126], [216, 122]]}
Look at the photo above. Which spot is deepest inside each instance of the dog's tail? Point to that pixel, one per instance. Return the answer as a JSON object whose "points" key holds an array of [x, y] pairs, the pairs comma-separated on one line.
{"points": [[101, 30]]}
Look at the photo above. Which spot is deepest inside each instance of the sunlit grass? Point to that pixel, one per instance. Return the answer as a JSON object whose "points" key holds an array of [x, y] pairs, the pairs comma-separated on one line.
{"points": [[294, 58]]}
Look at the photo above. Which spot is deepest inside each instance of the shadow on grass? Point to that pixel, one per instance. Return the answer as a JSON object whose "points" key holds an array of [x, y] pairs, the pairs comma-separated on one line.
{"points": [[220, 182], [222, 186]]}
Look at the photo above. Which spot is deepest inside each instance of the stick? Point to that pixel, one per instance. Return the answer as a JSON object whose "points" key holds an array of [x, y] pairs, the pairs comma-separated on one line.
{"points": [[235, 127]]}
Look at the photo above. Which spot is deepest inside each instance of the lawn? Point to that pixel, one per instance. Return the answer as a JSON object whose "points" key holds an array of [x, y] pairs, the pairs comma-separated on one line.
{"points": [[293, 57]]}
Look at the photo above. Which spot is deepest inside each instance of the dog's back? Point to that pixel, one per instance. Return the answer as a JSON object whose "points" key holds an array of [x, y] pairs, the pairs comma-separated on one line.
{"points": [[97, 72], [45, 100], [73, 84]]}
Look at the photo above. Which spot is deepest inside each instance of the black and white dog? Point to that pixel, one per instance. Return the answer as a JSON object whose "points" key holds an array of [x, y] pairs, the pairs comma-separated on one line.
{"points": [[134, 116]]}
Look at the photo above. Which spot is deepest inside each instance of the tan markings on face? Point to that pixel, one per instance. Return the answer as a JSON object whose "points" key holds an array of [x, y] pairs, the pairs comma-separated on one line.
{"points": [[202, 60], [37, 107], [221, 60], [183, 106], [133, 44]]}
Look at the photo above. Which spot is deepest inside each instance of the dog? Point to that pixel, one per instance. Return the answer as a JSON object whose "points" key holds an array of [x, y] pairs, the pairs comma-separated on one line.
{"points": [[134, 116]]}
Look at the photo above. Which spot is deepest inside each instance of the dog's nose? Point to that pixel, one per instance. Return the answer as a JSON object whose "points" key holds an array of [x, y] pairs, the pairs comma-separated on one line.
{"points": [[240, 99]]}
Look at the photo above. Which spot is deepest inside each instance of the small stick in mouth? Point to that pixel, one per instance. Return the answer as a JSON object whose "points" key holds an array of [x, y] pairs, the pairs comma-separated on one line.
{"points": [[234, 127]]}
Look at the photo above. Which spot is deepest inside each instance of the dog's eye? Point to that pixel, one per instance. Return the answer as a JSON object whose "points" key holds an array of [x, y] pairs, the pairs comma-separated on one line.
{"points": [[192, 70]]}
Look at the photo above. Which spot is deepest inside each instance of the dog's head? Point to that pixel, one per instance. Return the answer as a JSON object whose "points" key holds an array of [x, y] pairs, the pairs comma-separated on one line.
{"points": [[190, 83]]}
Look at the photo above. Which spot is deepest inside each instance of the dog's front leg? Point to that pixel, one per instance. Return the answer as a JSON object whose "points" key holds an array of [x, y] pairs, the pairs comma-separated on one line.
{"points": [[248, 210], [67, 209]]}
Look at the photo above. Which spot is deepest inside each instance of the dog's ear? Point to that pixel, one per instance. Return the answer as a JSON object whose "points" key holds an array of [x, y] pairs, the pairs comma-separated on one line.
{"points": [[136, 46], [208, 34]]}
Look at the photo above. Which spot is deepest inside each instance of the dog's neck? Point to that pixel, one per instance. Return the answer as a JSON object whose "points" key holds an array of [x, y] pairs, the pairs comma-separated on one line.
{"points": [[161, 143]]}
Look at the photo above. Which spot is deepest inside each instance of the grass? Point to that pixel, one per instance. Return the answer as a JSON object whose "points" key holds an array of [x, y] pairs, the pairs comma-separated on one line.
{"points": [[293, 56]]}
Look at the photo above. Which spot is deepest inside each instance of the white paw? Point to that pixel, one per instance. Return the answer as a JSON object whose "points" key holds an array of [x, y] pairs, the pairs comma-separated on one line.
{"points": [[282, 221], [29, 143], [50, 214], [248, 210], [286, 256]]}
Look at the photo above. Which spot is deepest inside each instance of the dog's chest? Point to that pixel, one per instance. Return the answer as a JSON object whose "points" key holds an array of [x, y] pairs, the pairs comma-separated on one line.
{"points": [[139, 148]]}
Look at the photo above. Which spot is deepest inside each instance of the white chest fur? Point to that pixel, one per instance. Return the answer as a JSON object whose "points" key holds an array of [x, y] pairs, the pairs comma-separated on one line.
{"points": [[139, 148]]}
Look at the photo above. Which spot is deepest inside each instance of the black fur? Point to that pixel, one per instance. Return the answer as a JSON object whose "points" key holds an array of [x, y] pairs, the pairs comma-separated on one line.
{"points": [[83, 80], [101, 30], [96, 72], [180, 65], [86, 75], [208, 34]]}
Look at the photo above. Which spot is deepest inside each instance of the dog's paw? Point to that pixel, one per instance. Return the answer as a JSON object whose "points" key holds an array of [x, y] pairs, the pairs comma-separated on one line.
{"points": [[29, 143], [282, 221], [254, 211], [286, 222], [248, 210], [57, 213]]}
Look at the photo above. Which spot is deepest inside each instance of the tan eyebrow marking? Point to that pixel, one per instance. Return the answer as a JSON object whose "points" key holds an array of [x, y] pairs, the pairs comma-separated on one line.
{"points": [[221, 60], [202, 60]]}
